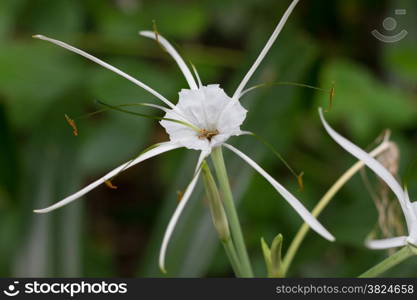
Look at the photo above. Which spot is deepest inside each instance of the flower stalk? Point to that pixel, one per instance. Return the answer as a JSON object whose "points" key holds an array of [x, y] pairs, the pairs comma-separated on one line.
{"points": [[390, 261], [230, 250], [324, 201], [216, 206], [232, 216], [219, 218]]}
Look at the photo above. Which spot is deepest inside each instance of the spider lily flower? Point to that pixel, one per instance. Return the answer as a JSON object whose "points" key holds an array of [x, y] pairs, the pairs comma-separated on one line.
{"points": [[409, 208], [204, 117]]}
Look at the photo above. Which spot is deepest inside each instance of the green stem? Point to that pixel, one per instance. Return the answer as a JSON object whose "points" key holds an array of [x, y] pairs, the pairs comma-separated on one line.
{"points": [[219, 218], [230, 250], [299, 237], [390, 261], [237, 236]]}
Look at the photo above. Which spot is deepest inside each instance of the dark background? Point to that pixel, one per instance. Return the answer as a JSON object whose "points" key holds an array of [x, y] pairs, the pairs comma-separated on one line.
{"points": [[118, 232]]}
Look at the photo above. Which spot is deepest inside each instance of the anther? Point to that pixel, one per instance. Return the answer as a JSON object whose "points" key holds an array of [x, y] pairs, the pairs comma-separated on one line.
{"points": [[207, 134]]}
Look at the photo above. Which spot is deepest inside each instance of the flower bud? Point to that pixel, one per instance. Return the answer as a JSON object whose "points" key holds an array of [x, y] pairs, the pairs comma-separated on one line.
{"points": [[218, 214], [273, 257]]}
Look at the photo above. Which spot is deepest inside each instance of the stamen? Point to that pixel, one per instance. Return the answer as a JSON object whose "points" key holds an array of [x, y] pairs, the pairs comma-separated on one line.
{"points": [[156, 32], [180, 194], [72, 124], [331, 96], [287, 83], [164, 109], [207, 134], [118, 108], [110, 185], [300, 181], [299, 176]]}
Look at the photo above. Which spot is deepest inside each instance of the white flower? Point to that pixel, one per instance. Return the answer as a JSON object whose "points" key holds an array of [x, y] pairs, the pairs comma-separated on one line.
{"points": [[205, 118], [216, 115], [409, 208]]}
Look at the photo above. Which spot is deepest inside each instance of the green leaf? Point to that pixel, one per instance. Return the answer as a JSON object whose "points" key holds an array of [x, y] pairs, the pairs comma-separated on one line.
{"points": [[267, 256], [273, 257], [276, 257]]}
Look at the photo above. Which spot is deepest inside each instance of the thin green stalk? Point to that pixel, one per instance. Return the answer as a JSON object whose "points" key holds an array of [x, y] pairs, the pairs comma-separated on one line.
{"points": [[237, 236], [390, 261], [230, 250], [299, 237], [219, 218]]}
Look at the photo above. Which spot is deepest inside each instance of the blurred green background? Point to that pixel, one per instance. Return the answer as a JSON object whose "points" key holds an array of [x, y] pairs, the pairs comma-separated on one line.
{"points": [[118, 232]]}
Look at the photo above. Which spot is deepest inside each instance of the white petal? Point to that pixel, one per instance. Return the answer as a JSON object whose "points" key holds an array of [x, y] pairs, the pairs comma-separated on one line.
{"points": [[164, 147], [107, 66], [207, 108], [296, 204], [412, 238], [387, 243], [171, 51], [368, 160], [414, 208], [200, 84], [174, 219], [265, 50], [411, 216]]}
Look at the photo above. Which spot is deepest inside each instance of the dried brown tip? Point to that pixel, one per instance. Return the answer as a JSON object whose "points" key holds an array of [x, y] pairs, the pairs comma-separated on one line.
{"points": [[179, 196], [72, 124], [300, 181], [110, 185], [155, 30], [331, 96]]}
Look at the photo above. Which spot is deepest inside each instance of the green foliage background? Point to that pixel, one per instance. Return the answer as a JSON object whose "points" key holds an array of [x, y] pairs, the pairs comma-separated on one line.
{"points": [[118, 232]]}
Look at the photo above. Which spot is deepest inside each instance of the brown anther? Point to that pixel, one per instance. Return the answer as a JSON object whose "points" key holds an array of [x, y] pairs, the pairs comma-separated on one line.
{"points": [[110, 185], [300, 181], [331, 96], [207, 134], [179, 196], [72, 124]]}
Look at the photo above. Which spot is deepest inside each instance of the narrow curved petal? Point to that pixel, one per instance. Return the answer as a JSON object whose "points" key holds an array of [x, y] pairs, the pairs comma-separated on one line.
{"points": [[410, 213], [244, 132], [387, 243], [177, 213], [161, 148], [107, 66], [265, 50], [200, 84], [171, 51], [296, 204], [371, 162]]}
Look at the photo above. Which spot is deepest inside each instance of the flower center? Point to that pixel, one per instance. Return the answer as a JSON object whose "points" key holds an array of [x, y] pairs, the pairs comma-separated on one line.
{"points": [[214, 115], [207, 134]]}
